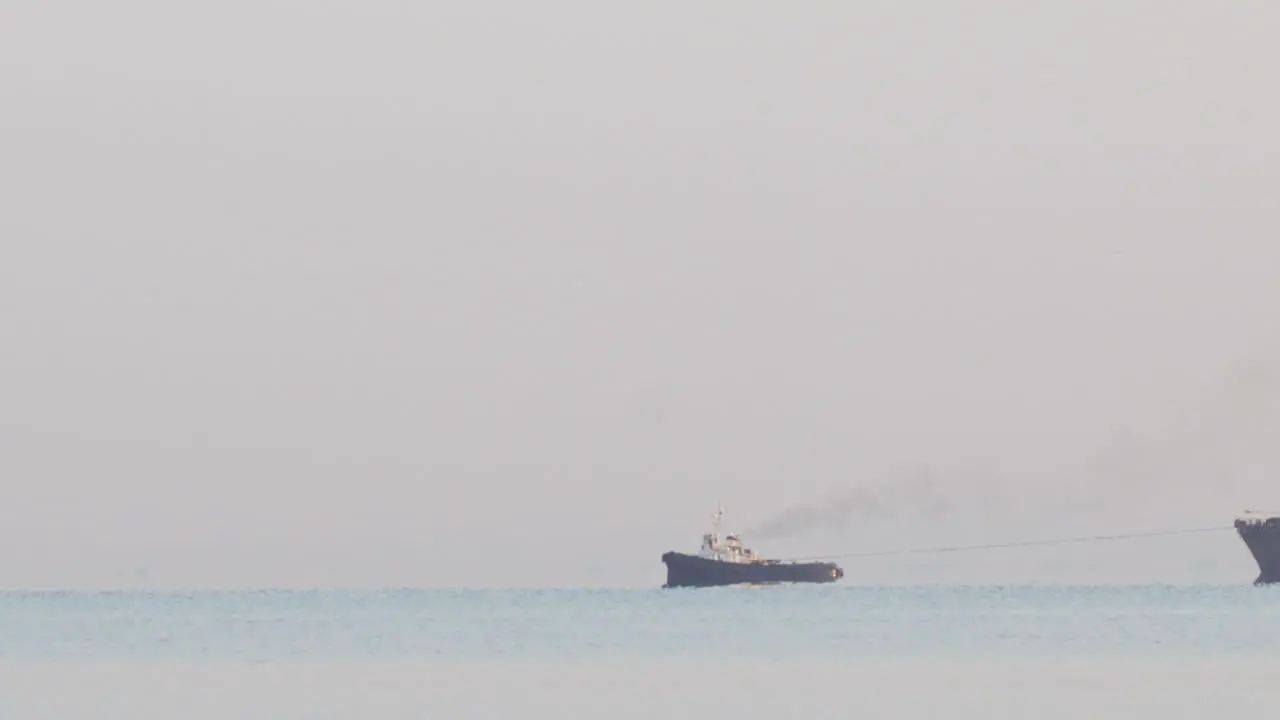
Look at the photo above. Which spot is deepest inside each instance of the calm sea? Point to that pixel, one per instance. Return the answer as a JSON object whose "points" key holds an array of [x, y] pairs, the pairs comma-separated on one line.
{"points": [[804, 651]]}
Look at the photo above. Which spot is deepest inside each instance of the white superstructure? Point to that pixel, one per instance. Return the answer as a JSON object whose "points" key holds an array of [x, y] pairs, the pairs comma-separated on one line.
{"points": [[726, 549]]}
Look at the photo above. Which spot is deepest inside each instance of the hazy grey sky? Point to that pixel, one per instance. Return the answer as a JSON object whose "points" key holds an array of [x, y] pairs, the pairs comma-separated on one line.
{"points": [[491, 293]]}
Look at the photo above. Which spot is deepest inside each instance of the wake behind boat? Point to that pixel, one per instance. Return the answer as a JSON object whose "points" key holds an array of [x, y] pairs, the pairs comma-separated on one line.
{"points": [[726, 561]]}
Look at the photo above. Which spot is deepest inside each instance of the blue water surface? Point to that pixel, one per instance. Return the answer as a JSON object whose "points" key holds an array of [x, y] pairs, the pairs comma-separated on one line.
{"points": [[773, 623]]}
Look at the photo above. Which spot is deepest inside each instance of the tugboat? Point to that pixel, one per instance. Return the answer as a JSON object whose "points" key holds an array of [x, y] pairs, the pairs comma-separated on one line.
{"points": [[1261, 534], [726, 561]]}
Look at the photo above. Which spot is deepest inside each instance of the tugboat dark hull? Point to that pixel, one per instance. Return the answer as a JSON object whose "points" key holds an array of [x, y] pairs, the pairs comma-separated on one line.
{"points": [[694, 571], [1262, 537]]}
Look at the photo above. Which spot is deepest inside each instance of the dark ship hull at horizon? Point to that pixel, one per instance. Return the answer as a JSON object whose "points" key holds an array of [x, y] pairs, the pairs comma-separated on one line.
{"points": [[693, 571], [1262, 537]]}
